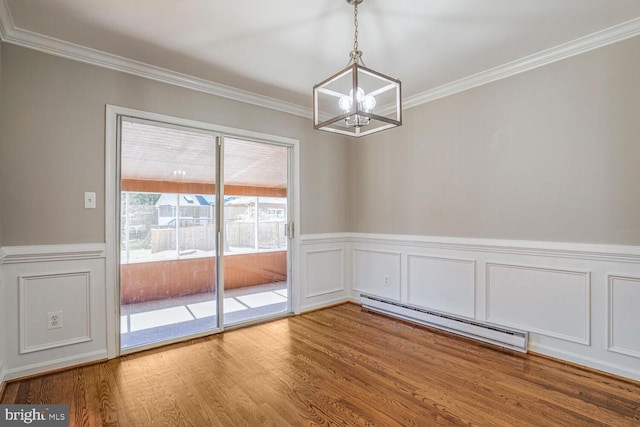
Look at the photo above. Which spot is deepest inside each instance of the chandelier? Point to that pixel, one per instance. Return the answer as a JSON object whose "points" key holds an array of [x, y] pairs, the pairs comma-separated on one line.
{"points": [[357, 101]]}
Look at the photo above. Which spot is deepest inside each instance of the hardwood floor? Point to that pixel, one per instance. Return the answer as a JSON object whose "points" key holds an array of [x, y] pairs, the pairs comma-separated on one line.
{"points": [[337, 366]]}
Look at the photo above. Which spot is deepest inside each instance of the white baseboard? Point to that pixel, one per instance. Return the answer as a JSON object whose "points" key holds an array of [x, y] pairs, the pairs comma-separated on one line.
{"points": [[2, 377], [589, 362], [52, 365], [323, 304]]}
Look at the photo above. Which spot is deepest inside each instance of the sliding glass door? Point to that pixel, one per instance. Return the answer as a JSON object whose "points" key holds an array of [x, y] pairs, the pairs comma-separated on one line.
{"points": [[203, 232], [168, 238], [256, 247]]}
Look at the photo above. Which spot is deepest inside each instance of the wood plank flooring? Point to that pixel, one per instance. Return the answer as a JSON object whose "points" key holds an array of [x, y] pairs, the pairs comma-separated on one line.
{"points": [[337, 366]]}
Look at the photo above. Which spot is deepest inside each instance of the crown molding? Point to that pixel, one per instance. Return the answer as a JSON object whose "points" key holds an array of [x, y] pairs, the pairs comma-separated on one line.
{"points": [[584, 44], [6, 20], [9, 33]]}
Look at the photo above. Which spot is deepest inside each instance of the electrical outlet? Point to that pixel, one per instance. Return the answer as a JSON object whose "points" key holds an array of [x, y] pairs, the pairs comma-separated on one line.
{"points": [[387, 280], [54, 320]]}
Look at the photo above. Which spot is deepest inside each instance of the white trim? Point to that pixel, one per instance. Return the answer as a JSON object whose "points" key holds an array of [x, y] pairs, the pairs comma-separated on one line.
{"points": [[112, 296], [44, 253], [474, 280], [609, 310], [581, 359], [52, 46], [294, 215], [586, 251], [394, 254], [325, 292], [111, 163], [586, 340], [584, 44], [22, 298], [6, 20], [326, 238], [52, 365], [9, 33], [343, 285], [2, 375], [324, 304]]}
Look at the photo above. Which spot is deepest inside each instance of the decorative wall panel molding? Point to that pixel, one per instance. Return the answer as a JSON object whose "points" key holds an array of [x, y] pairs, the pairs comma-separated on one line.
{"points": [[551, 302], [41, 280], [377, 272], [598, 329], [442, 284], [584, 251], [67, 293], [325, 272], [44, 253], [563, 294], [623, 306]]}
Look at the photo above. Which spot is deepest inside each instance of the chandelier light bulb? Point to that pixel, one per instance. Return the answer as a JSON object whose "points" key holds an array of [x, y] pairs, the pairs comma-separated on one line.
{"points": [[368, 103], [345, 103], [359, 94], [365, 102]]}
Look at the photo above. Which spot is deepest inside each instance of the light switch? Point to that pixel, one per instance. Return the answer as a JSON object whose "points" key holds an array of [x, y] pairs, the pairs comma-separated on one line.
{"points": [[89, 200]]}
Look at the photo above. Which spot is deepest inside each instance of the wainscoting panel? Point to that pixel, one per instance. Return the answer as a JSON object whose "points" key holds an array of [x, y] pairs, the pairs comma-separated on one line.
{"points": [[377, 273], [38, 280], [65, 293], [442, 284], [547, 301], [622, 308], [579, 302], [325, 271]]}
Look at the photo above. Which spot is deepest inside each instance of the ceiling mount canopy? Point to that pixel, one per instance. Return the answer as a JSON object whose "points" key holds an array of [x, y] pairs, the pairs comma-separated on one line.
{"points": [[357, 101]]}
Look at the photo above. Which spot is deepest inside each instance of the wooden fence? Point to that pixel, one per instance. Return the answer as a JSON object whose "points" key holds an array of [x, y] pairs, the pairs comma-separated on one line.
{"points": [[240, 234]]}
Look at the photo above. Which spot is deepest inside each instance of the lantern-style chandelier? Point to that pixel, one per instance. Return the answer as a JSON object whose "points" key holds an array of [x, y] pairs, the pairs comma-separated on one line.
{"points": [[357, 101]]}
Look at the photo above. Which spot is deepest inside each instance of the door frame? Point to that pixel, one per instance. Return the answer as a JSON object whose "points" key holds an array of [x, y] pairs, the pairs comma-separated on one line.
{"points": [[111, 214]]}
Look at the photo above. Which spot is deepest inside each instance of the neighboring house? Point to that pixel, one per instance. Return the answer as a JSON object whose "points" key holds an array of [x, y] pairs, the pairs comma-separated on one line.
{"points": [[198, 209], [241, 207], [195, 209]]}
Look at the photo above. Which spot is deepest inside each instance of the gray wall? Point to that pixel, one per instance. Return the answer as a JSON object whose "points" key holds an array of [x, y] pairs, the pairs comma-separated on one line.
{"points": [[551, 154], [52, 146]]}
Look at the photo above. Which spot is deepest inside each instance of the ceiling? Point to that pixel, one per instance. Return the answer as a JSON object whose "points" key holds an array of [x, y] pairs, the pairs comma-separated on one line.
{"points": [[273, 52], [152, 152]]}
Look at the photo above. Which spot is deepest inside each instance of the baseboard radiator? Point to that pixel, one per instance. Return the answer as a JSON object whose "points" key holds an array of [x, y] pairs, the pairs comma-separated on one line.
{"points": [[507, 338]]}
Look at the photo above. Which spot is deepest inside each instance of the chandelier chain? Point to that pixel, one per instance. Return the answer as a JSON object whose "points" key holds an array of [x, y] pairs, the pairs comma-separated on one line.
{"points": [[355, 57], [355, 26]]}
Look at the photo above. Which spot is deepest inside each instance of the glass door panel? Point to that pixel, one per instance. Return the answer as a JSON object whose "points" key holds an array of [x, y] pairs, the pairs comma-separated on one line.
{"points": [[256, 252], [168, 233]]}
